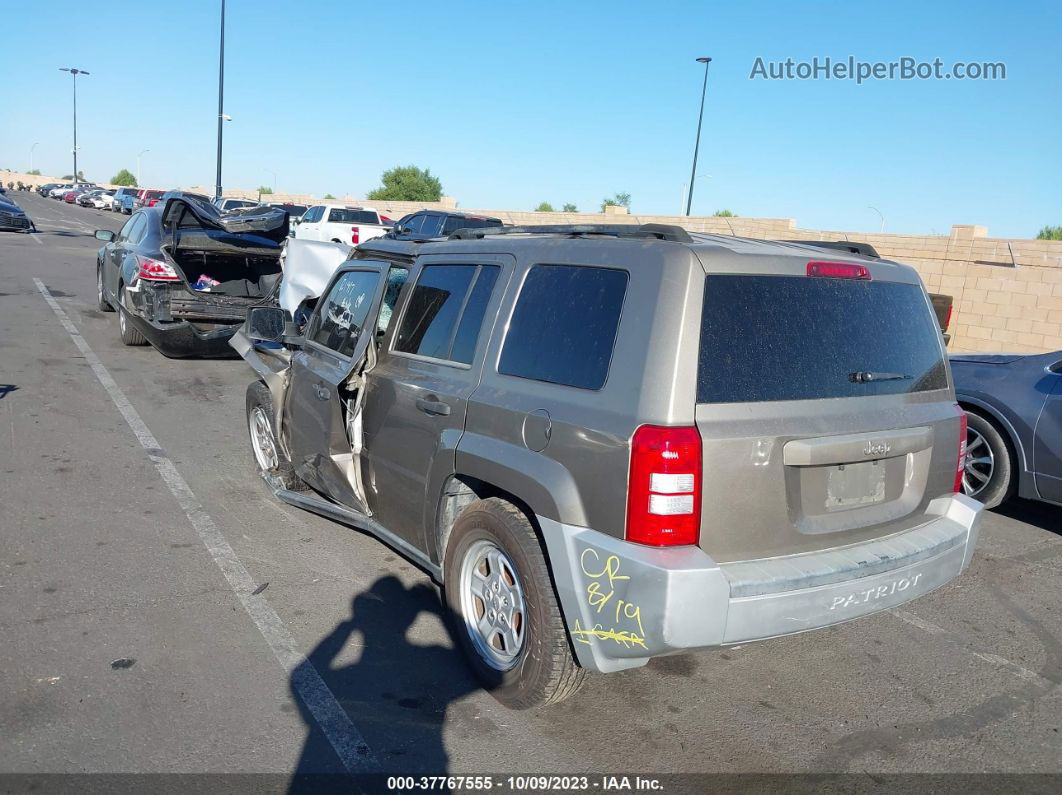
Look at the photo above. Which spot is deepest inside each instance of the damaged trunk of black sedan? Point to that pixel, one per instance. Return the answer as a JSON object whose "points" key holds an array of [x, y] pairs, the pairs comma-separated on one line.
{"points": [[225, 263]]}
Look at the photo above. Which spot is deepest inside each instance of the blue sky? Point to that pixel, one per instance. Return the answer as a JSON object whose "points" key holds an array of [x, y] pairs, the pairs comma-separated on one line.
{"points": [[512, 104]]}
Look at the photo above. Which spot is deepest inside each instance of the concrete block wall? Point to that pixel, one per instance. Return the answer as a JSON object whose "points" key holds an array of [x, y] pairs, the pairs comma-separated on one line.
{"points": [[1007, 292]]}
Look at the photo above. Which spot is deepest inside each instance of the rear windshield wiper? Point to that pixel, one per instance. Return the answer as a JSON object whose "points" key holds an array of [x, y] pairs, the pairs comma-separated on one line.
{"points": [[865, 377]]}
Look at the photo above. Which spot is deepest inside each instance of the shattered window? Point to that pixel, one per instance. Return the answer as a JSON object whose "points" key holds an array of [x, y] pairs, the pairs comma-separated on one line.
{"points": [[341, 317]]}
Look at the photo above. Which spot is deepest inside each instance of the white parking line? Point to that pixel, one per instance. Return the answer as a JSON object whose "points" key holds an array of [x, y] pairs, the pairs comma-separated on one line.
{"points": [[345, 738]]}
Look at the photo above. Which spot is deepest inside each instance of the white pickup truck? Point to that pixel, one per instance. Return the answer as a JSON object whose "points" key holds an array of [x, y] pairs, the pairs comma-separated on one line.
{"points": [[338, 223]]}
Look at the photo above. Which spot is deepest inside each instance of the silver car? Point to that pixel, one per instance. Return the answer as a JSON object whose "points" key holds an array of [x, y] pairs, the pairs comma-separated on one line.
{"points": [[613, 443]]}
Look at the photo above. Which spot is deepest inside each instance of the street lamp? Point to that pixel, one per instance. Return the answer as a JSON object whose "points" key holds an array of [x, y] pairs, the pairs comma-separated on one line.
{"points": [[142, 152], [222, 118], [35, 145], [882, 217], [74, 73], [700, 118]]}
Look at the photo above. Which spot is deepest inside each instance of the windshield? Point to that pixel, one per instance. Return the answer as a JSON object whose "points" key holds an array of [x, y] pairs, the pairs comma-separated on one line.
{"points": [[802, 338]]}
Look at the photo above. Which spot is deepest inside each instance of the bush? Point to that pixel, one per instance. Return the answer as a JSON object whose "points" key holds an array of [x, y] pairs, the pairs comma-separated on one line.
{"points": [[1050, 233], [124, 178], [570, 208], [34, 172], [617, 200], [544, 207], [264, 190], [408, 184], [724, 214], [329, 196]]}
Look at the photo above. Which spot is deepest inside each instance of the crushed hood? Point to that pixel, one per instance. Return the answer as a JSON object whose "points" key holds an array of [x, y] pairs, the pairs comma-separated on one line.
{"points": [[308, 266]]}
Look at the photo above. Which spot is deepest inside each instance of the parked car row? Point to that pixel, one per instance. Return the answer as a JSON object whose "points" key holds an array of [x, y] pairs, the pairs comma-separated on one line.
{"points": [[605, 443]]}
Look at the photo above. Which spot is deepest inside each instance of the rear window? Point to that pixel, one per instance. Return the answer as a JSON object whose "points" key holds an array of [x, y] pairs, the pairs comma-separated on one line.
{"points": [[454, 223], [563, 328], [769, 338], [341, 216]]}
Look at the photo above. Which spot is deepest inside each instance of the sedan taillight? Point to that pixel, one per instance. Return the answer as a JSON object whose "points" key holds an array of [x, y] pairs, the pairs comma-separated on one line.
{"points": [[155, 270]]}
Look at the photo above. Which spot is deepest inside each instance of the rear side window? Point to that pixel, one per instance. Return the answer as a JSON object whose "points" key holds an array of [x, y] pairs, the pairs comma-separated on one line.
{"points": [[767, 338], [563, 328], [432, 224], [445, 312]]}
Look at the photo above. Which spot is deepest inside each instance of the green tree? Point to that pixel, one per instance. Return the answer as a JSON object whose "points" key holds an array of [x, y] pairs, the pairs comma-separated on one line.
{"points": [[70, 177], [570, 208], [329, 196], [264, 190], [408, 184], [617, 200], [544, 207], [34, 172], [124, 178], [724, 214], [1050, 233]]}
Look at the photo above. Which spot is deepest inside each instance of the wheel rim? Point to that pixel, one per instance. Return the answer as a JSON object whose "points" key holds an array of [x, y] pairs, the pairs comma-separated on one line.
{"points": [[121, 317], [265, 451], [492, 605], [99, 283], [980, 464]]}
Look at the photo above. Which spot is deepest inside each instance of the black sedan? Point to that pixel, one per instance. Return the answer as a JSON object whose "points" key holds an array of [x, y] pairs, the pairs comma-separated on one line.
{"points": [[13, 218], [182, 277], [1014, 425]]}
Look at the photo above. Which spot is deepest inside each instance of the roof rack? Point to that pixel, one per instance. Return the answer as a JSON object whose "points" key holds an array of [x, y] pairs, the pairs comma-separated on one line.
{"points": [[656, 231], [863, 249]]}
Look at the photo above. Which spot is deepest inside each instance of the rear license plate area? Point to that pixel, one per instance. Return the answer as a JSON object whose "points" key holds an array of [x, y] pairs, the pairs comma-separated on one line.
{"points": [[853, 485]]}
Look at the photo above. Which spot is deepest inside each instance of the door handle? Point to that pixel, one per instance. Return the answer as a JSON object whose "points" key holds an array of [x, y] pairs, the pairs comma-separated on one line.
{"points": [[433, 407], [321, 392]]}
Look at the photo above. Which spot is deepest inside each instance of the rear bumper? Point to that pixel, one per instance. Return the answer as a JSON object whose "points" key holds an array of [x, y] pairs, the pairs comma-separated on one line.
{"points": [[625, 603], [181, 340]]}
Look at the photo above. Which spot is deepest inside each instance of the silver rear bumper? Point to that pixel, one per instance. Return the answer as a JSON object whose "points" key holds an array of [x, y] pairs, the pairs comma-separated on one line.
{"points": [[625, 603]]}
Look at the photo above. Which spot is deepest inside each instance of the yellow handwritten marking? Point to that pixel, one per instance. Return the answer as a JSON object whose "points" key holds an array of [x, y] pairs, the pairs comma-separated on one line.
{"points": [[595, 597], [624, 637], [612, 564]]}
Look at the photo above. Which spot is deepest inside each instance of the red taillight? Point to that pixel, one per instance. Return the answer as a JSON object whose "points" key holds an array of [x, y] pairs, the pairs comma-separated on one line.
{"points": [[355, 235], [960, 465], [947, 319], [664, 489], [838, 270], [156, 271]]}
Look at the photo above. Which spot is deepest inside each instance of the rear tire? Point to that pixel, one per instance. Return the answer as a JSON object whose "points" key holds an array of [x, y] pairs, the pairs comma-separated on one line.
{"points": [[989, 472], [130, 335], [515, 639], [268, 456]]}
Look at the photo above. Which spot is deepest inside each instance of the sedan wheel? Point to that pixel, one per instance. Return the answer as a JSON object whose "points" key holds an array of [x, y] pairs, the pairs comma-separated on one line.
{"points": [[980, 463], [988, 472], [101, 297]]}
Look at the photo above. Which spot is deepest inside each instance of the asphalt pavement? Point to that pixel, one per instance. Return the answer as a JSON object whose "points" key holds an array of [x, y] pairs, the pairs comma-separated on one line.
{"points": [[159, 608]]}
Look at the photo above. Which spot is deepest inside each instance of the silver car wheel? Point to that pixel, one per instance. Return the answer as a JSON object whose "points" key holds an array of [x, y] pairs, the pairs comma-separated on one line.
{"points": [[979, 466], [492, 605], [121, 316], [265, 451], [99, 284]]}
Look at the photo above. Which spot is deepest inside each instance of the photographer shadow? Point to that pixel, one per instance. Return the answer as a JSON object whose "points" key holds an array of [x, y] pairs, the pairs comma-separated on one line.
{"points": [[397, 693]]}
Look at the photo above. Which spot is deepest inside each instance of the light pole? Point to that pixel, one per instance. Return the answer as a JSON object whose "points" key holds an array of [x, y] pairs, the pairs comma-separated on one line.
{"points": [[700, 118], [75, 73], [221, 97], [35, 145], [142, 152], [882, 217]]}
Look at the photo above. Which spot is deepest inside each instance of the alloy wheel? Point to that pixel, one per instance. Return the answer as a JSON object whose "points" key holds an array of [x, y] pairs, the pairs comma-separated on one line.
{"points": [[265, 451], [979, 465], [492, 604]]}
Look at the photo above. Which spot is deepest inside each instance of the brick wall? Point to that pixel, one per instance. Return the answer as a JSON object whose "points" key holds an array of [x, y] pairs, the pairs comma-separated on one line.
{"points": [[1007, 292]]}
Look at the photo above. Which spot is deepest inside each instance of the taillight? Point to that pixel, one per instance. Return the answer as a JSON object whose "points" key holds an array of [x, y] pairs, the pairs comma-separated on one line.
{"points": [[355, 235], [156, 271], [947, 319], [664, 488], [960, 465], [838, 270]]}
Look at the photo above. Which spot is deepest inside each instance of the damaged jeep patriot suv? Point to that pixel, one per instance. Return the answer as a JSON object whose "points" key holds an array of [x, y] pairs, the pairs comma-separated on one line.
{"points": [[614, 443]]}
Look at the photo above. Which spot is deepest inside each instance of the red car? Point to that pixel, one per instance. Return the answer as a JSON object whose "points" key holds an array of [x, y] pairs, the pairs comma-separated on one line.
{"points": [[147, 198], [70, 196]]}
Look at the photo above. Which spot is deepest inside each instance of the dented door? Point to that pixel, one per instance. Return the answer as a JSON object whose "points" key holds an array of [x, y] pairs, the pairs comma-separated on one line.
{"points": [[322, 430]]}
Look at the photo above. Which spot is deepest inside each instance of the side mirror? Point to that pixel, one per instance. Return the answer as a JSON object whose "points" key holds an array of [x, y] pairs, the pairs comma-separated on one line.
{"points": [[106, 235], [266, 323]]}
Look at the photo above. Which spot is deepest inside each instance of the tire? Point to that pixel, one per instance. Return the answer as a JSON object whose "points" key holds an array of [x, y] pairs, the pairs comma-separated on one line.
{"points": [[989, 472], [266, 453], [536, 666], [130, 335], [102, 303]]}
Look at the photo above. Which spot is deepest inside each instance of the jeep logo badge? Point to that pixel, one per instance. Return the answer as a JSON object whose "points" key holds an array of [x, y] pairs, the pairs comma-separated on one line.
{"points": [[877, 449]]}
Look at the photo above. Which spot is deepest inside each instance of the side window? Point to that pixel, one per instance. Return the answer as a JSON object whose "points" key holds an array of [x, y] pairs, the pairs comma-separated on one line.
{"points": [[563, 328], [124, 234], [396, 277], [341, 317], [312, 215], [136, 234], [432, 225], [431, 315], [468, 329], [415, 222]]}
